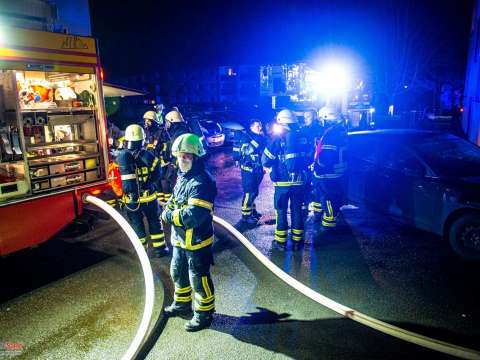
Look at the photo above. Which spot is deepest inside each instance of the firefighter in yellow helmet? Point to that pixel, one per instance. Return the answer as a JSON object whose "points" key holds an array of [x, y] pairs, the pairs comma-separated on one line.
{"points": [[140, 174], [190, 212]]}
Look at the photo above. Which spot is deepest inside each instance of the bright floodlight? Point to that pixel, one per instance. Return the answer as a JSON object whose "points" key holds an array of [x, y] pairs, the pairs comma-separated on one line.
{"points": [[333, 79]]}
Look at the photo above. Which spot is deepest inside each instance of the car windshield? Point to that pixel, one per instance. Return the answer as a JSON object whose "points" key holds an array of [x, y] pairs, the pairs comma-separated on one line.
{"points": [[449, 155]]}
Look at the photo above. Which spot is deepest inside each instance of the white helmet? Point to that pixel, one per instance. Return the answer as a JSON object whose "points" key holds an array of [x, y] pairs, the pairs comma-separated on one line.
{"points": [[286, 117], [329, 113], [150, 115]]}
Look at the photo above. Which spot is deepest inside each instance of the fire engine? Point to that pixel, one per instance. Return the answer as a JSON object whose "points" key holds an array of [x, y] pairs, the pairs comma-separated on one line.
{"points": [[53, 141], [332, 87]]}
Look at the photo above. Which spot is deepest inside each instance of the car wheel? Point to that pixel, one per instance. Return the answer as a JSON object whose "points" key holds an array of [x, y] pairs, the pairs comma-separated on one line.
{"points": [[464, 237]]}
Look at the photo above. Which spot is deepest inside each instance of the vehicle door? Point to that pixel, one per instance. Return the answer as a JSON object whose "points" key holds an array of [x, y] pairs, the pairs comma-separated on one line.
{"points": [[404, 190], [362, 159]]}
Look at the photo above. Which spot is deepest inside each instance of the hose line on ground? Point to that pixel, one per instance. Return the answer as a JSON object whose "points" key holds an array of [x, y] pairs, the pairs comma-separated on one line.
{"points": [[352, 314], [142, 331]]}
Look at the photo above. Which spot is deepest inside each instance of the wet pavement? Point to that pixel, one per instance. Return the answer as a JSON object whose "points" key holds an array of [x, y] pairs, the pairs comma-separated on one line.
{"points": [[260, 317], [73, 298], [373, 264], [81, 297]]}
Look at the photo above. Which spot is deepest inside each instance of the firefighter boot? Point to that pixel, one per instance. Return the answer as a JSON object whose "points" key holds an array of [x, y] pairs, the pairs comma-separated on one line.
{"points": [[199, 322], [250, 220], [174, 310], [256, 214], [277, 245], [297, 245]]}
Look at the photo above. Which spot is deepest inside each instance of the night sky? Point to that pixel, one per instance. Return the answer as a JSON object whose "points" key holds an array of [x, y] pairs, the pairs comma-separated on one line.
{"points": [[141, 36]]}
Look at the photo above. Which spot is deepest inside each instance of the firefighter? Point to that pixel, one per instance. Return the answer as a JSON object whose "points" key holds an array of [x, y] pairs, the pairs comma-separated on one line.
{"points": [[285, 159], [140, 174], [174, 127], [248, 153], [329, 169], [313, 130], [190, 213], [152, 131]]}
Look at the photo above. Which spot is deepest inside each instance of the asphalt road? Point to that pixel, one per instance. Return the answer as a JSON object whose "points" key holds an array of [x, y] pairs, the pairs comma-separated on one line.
{"points": [[373, 264], [81, 297]]}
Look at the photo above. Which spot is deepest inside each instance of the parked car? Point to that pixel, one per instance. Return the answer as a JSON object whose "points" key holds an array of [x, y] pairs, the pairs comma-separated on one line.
{"points": [[427, 179], [213, 133], [232, 130]]}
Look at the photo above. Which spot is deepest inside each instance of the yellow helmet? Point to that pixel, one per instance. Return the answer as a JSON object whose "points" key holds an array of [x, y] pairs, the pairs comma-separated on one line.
{"points": [[174, 116], [134, 132], [150, 115], [188, 143]]}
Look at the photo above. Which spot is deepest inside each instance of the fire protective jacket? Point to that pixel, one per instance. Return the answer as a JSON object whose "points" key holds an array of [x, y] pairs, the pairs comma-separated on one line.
{"points": [[287, 155], [190, 209], [248, 151], [330, 156], [140, 174]]}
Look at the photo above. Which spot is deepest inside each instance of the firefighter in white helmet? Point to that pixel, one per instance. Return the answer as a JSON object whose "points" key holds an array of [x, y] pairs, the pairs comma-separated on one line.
{"points": [[152, 131], [140, 174], [174, 127], [286, 156], [313, 130], [329, 169]]}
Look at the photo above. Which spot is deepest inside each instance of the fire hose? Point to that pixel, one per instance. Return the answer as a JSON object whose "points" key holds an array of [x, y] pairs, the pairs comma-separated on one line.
{"points": [[142, 331], [345, 311], [386, 328]]}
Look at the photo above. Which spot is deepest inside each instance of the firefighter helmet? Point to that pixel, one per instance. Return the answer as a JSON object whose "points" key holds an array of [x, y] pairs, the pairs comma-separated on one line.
{"points": [[134, 132], [330, 114], [188, 143], [150, 115], [286, 117], [174, 116]]}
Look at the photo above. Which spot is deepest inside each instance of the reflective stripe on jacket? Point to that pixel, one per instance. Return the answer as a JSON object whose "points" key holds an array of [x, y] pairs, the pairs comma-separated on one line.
{"points": [[192, 209]]}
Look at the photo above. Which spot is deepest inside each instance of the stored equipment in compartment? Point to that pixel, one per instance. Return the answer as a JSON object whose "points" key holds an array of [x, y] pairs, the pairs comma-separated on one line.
{"points": [[52, 133]]}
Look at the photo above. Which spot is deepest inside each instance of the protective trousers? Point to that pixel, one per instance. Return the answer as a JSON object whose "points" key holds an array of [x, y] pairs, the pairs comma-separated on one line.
{"points": [[251, 181], [150, 211], [329, 192], [282, 196], [190, 271]]}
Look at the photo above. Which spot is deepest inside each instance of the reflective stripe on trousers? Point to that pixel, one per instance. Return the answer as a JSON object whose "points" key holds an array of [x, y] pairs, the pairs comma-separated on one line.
{"points": [[190, 270]]}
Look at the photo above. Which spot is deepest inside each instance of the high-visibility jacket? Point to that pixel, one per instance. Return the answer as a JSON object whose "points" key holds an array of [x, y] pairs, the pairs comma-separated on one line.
{"points": [[140, 173], [190, 209], [248, 150], [287, 156], [313, 133], [330, 156]]}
